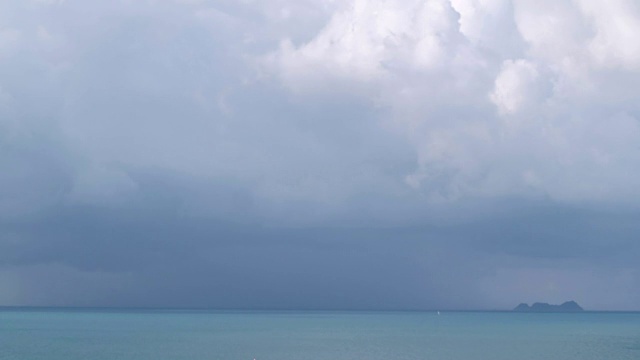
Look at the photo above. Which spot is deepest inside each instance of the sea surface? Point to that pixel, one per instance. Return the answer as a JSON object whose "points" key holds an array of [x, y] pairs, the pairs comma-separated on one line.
{"points": [[82, 334]]}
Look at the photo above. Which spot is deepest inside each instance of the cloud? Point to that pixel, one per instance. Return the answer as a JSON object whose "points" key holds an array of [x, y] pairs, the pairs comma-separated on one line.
{"points": [[615, 24], [369, 41], [425, 70], [359, 150], [514, 86]]}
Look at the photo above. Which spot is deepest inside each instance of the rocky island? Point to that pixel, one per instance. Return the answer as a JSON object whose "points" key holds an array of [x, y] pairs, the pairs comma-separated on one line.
{"points": [[569, 306]]}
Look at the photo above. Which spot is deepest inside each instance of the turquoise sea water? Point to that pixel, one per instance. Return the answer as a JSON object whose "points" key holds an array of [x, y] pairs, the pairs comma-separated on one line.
{"points": [[101, 334]]}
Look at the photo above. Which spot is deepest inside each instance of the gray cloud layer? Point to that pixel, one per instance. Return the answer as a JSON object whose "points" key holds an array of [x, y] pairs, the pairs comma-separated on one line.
{"points": [[319, 154]]}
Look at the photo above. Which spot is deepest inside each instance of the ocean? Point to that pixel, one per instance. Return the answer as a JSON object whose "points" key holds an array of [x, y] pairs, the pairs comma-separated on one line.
{"points": [[83, 334]]}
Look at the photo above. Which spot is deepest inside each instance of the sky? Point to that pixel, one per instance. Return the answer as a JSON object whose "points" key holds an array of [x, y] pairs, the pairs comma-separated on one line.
{"points": [[320, 154]]}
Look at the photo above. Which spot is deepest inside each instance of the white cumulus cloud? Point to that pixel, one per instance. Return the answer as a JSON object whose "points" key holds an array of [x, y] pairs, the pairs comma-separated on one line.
{"points": [[497, 97]]}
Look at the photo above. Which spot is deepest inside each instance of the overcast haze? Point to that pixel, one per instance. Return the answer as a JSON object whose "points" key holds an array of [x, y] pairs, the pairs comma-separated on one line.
{"points": [[310, 154]]}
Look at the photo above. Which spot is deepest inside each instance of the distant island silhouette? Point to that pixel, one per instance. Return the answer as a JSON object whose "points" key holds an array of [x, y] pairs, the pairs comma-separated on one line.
{"points": [[569, 306]]}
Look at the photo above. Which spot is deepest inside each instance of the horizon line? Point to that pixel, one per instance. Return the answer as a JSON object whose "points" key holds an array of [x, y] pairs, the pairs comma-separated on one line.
{"points": [[266, 309]]}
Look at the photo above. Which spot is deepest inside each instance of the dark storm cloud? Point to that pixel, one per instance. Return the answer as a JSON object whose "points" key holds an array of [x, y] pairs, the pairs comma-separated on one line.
{"points": [[179, 261], [299, 155]]}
